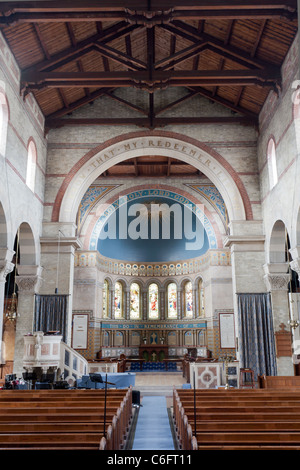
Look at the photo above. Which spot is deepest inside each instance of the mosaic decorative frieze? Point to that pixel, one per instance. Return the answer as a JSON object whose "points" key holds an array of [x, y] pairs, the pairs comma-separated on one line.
{"points": [[91, 197], [213, 196], [194, 266]]}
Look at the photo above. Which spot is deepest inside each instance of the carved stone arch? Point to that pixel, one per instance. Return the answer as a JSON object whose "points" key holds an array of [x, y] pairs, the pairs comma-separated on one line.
{"points": [[169, 280], [163, 143], [278, 243]]}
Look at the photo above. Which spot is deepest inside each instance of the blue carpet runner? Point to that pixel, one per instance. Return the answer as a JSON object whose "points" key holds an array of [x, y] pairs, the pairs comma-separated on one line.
{"points": [[153, 430]]}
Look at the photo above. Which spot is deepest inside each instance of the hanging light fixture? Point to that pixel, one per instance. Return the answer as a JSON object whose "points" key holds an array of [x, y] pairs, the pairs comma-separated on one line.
{"points": [[11, 312]]}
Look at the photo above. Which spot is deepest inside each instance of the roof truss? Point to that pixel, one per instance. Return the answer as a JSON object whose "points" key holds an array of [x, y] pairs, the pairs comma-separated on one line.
{"points": [[183, 22]]}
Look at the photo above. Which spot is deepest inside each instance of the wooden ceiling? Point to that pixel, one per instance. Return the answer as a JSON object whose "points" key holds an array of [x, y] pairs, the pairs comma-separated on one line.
{"points": [[74, 52], [153, 167]]}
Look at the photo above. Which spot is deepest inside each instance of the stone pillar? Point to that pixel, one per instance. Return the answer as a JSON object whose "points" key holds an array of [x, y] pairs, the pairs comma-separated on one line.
{"points": [[6, 267], [58, 245], [295, 302], [144, 304], [162, 303], [112, 297], [28, 282], [179, 305], [246, 243], [194, 293], [277, 280], [127, 303]]}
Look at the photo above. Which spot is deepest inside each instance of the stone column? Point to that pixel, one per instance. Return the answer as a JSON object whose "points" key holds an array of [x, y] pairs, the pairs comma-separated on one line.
{"points": [[112, 300], [179, 305], [277, 280], [295, 304], [246, 243], [6, 267], [58, 245], [28, 282], [162, 304], [144, 304], [127, 303], [194, 293]]}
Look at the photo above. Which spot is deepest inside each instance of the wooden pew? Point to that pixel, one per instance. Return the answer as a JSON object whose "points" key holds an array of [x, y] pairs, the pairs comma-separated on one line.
{"points": [[237, 420], [49, 418], [278, 382]]}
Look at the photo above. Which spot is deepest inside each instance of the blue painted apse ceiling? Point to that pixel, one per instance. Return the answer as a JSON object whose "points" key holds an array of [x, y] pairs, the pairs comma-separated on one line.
{"points": [[127, 230]]}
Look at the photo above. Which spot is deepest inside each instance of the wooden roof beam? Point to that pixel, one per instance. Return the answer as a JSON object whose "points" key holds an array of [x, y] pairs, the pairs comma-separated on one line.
{"points": [[228, 104], [155, 79], [231, 52], [126, 103], [142, 12], [147, 123], [82, 47], [77, 104], [180, 56], [120, 57]]}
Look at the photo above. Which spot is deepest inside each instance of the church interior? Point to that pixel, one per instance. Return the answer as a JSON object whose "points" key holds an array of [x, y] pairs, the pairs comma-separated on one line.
{"points": [[149, 224]]}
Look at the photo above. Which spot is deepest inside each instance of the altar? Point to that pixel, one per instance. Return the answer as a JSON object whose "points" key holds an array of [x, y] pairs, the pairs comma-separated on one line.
{"points": [[153, 352]]}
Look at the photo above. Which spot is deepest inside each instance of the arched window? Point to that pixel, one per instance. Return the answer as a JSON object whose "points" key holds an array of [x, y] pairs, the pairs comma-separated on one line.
{"points": [[153, 301], [105, 293], [172, 300], [118, 300], [134, 301], [272, 164], [188, 299], [3, 122], [201, 299], [31, 166]]}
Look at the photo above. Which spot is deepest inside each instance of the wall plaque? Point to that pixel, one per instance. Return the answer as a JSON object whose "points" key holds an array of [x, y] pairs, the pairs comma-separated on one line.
{"points": [[80, 331], [227, 332]]}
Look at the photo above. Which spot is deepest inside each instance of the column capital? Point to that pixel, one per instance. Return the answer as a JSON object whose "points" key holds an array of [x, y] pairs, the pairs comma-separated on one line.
{"points": [[295, 266], [6, 265], [29, 279], [277, 281]]}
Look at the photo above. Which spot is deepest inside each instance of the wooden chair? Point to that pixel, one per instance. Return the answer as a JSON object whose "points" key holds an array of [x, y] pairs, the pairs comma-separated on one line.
{"points": [[243, 373]]}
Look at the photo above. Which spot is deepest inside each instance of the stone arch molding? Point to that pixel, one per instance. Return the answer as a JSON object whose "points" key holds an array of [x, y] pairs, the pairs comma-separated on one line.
{"points": [[209, 162]]}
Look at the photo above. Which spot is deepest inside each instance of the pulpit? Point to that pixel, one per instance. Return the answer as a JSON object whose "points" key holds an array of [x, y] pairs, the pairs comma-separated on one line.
{"points": [[153, 352]]}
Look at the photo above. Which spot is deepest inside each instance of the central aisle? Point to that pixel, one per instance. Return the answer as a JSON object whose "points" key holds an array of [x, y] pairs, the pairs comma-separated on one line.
{"points": [[153, 430]]}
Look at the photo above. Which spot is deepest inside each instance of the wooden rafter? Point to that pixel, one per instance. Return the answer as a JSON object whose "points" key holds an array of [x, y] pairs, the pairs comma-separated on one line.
{"points": [[82, 47], [186, 51], [152, 79], [143, 12], [147, 123]]}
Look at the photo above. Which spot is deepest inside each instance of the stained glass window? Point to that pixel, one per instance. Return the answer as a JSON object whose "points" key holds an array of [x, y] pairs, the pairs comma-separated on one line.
{"points": [[153, 301], [134, 301], [172, 300], [188, 300], [105, 299], [118, 300]]}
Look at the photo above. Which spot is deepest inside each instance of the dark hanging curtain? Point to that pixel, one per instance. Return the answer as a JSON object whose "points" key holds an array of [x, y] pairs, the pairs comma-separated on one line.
{"points": [[51, 314], [256, 333]]}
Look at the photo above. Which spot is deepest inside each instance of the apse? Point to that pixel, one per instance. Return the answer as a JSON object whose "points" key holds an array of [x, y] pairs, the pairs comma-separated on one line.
{"points": [[153, 229]]}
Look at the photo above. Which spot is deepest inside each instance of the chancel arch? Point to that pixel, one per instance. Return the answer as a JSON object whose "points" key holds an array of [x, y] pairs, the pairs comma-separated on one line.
{"points": [[162, 143]]}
